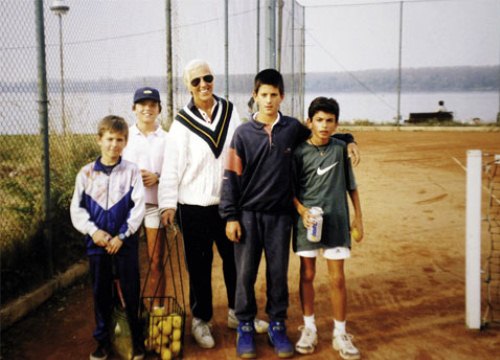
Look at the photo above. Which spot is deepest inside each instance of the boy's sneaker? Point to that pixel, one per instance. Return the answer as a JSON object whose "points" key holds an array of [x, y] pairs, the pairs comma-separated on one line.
{"points": [[259, 325], [245, 342], [201, 333], [279, 339], [100, 353], [343, 344], [307, 342]]}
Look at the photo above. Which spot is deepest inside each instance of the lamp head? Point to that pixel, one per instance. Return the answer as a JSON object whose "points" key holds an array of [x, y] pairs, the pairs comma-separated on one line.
{"points": [[59, 7]]}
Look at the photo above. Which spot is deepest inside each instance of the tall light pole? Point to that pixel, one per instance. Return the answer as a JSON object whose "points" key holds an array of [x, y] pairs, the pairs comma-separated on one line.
{"points": [[59, 7]]}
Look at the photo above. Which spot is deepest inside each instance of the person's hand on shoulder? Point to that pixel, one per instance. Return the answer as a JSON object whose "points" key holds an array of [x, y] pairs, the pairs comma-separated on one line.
{"points": [[353, 153]]}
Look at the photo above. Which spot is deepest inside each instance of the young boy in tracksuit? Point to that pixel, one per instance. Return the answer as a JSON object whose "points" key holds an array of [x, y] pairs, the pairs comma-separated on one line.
{"points": [[108, 208], [256, 202]]}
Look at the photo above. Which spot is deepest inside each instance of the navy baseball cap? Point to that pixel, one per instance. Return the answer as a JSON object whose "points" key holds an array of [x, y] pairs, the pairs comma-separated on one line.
{"points": [[146, 93]]}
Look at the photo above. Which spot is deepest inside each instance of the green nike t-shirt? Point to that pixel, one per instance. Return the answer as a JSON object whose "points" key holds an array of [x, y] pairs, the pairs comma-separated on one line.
{"points": [[322, 177]]}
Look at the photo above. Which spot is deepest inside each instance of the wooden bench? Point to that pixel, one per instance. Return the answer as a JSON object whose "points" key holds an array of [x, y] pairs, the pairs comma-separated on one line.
{"points": [[431, 116]]}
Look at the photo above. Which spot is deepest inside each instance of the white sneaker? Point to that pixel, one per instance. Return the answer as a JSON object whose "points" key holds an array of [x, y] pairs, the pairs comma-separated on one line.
{"points": [[260, 326], [307, 342], [201, 333], [343, 344]]}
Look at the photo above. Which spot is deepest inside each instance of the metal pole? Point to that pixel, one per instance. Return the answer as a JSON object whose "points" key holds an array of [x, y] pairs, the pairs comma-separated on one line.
{"points": [[294, 94], [226, 48], [61, 61], [498, 82], [170, 79], [303, 60], [258, 37], [44, 132], [280, 34], [271, 34], [398, 115], [473, 241]]}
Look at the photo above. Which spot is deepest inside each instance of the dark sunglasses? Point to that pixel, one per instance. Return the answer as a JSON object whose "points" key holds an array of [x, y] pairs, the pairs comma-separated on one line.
{"points": [[207, 78]]}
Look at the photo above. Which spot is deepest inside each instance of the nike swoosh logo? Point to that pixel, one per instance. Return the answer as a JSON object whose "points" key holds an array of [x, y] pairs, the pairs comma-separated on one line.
{"points": [[321, 171]]}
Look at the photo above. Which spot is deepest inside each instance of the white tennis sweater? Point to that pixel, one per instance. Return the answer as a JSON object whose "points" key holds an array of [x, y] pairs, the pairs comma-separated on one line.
{"points": [[191, 174]]}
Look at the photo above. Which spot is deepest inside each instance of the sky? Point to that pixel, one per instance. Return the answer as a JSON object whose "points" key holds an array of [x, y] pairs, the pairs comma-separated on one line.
{"points": [[364, 34], [126, 38]]}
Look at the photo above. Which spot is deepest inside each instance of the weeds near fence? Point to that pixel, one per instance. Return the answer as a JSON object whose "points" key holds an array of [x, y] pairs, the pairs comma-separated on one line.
{"points": [[23, 255]]}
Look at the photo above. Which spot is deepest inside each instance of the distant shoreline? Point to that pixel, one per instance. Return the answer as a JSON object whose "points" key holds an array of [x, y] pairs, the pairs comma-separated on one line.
{"points": [[406, 128]]}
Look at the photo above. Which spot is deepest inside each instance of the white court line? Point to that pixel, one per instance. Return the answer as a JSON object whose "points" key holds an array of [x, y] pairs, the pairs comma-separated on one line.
{"points": [[484, 187]]}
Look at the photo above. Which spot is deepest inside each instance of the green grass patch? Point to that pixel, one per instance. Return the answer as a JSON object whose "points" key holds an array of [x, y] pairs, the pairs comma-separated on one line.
{"points": [[22, 247]]}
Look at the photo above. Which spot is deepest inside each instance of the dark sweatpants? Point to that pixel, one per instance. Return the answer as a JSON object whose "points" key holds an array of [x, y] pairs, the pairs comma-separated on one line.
{"points": [[271, 233], [127, 268], [201, 226]]}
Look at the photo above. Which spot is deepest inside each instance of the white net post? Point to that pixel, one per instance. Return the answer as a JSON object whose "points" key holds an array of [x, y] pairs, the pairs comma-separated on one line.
{"points": [[473, 241]]}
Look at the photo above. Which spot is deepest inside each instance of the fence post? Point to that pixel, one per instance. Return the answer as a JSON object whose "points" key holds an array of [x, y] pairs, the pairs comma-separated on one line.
{"points": [[170, 81], [44, 132], [473, 241]]}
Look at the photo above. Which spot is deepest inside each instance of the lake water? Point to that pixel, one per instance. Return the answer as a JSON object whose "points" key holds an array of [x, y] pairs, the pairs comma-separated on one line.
{"points": [[383, 107], [19, 111]]}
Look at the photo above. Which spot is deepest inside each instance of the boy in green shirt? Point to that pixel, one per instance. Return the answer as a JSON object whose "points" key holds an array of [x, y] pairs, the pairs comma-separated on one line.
{"points": [[323, 176]]}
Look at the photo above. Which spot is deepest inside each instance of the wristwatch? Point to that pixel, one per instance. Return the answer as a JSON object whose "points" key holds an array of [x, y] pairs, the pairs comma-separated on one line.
{"points": [[121, 236]]}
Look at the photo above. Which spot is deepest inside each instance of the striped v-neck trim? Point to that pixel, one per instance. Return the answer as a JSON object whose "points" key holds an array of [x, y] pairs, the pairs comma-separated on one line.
{"points": [[213, 134]]}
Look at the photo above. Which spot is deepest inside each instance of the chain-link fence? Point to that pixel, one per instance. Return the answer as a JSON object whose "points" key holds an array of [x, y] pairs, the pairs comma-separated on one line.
{"points": [[97, 54]]}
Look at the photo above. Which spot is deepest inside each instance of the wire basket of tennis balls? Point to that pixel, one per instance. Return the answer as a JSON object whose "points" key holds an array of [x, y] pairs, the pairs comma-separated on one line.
{"points": [[164, 330]]}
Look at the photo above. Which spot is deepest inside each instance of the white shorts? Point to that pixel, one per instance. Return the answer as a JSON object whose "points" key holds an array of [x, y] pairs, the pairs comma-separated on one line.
{"points": [[152, 219], [336, 253]]}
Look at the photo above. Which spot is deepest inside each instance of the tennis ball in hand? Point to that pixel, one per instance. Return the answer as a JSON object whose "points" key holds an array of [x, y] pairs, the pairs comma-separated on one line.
{"points": [[356, 235]]}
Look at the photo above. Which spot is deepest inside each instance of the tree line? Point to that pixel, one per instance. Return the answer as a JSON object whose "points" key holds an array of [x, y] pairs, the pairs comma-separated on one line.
{"points": [[461, 78]]}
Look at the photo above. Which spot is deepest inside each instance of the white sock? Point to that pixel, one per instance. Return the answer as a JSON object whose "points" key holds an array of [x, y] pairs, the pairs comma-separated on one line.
{"points": [[310, 322], [338, 328]]}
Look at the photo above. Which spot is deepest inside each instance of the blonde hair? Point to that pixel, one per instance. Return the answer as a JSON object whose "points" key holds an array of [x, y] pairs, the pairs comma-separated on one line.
{"points": [[112, 123]]}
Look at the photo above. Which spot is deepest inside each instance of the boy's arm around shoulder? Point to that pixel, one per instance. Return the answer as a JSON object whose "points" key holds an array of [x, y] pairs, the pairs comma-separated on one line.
{"points": [[80, 216], [352, 147]]}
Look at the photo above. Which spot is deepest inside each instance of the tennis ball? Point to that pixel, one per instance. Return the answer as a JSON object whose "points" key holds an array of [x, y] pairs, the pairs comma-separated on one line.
{"points": [[176, 334], [159, 311], [154, 331], [166, 354], [356, 234], [162, 340], [166, 326], [176, 321], [175, 347]]}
